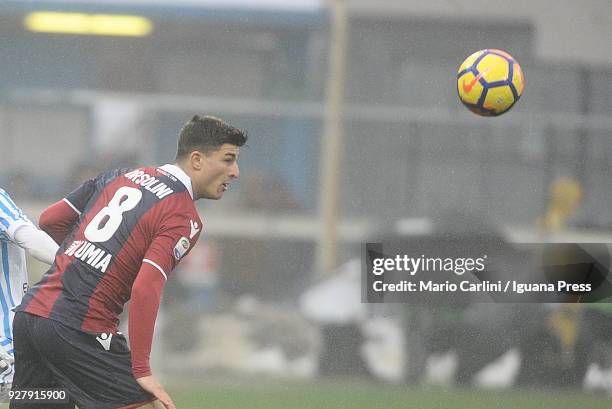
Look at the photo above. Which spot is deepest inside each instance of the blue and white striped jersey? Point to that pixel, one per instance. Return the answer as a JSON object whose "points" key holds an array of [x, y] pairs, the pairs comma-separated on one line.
{"points": [[13, 272]]}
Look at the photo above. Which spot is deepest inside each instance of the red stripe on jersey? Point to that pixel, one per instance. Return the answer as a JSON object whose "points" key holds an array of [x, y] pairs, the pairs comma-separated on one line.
{"points": [[43, 304]]}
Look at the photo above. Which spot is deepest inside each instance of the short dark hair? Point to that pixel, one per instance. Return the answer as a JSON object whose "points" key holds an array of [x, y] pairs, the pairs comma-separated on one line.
{"points": [[207, 134]]}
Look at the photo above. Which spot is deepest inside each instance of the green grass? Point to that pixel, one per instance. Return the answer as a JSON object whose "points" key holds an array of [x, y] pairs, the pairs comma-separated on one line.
{"points": [[367, 396]]}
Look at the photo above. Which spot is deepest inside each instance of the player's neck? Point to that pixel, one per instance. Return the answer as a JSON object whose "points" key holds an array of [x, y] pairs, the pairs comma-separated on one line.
{"points": [[188, 172]]}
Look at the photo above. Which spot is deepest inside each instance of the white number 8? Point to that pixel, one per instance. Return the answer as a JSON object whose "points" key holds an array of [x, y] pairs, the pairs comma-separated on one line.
{"points": [[107, 221]]}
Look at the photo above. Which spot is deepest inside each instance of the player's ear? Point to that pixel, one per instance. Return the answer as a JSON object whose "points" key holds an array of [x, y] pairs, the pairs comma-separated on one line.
{"points": [[196, 160]]}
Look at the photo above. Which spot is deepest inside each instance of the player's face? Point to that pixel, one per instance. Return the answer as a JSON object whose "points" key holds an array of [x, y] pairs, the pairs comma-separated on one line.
{"points": [[217, 171]]}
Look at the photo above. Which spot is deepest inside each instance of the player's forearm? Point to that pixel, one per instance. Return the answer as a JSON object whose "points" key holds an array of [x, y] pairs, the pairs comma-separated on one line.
{"points": [[144, 304], [58, 220], [37, 243]]}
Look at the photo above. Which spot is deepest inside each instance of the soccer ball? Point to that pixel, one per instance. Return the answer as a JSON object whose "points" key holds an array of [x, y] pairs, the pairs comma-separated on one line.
{"points": [[490, 82]]}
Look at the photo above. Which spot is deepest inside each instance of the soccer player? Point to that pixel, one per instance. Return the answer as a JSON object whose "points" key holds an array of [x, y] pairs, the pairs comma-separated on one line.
{"points": [[122, 234], [17, 234]]}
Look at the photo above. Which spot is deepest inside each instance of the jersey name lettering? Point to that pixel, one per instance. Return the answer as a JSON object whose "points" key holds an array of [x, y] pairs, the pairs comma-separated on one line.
{"points": [[150, 183], [90, 254]]}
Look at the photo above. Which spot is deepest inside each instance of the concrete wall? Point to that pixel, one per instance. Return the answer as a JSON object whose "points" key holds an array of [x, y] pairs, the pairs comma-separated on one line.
{"points": [[565, 30]]}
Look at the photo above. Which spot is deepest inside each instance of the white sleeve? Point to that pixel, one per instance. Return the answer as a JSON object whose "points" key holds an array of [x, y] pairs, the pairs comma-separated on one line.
{"points": [[38, 243], [11, 217]]}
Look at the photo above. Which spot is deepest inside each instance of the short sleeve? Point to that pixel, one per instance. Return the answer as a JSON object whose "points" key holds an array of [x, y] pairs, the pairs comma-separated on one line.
{"points": [[176, 237], [11, 217], [78, 198]]}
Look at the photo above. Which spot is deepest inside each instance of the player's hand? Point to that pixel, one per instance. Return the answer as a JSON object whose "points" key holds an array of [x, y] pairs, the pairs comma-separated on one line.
{"points": [[6, 359], [152, 385]]}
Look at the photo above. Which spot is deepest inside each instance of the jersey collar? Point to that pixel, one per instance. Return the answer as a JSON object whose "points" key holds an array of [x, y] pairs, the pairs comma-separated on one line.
{"points": [[180, 175]]}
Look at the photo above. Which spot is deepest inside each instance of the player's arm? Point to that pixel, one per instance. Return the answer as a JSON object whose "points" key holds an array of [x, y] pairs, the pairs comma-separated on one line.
{"points": [[144, 305], [15, 226], [61, 217], [37, 243], [170, 244], [58, 220]]}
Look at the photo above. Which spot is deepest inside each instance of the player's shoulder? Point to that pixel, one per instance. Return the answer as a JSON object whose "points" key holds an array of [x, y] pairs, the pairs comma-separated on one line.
{"points": [[187, 222], [182, 205], [11, 217], [4, 194], [8, 206]]}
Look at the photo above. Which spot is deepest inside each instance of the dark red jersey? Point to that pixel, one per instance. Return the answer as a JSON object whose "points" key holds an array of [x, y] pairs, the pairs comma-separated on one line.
{"points": [[126, 217]]}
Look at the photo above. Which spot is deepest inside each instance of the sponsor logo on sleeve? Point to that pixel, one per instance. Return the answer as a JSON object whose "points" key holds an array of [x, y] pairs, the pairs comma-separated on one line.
{"points": [[182, 245]]}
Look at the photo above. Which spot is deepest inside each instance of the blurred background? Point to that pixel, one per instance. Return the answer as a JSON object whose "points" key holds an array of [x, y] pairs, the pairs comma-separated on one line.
{"points": [[356, 133]]}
